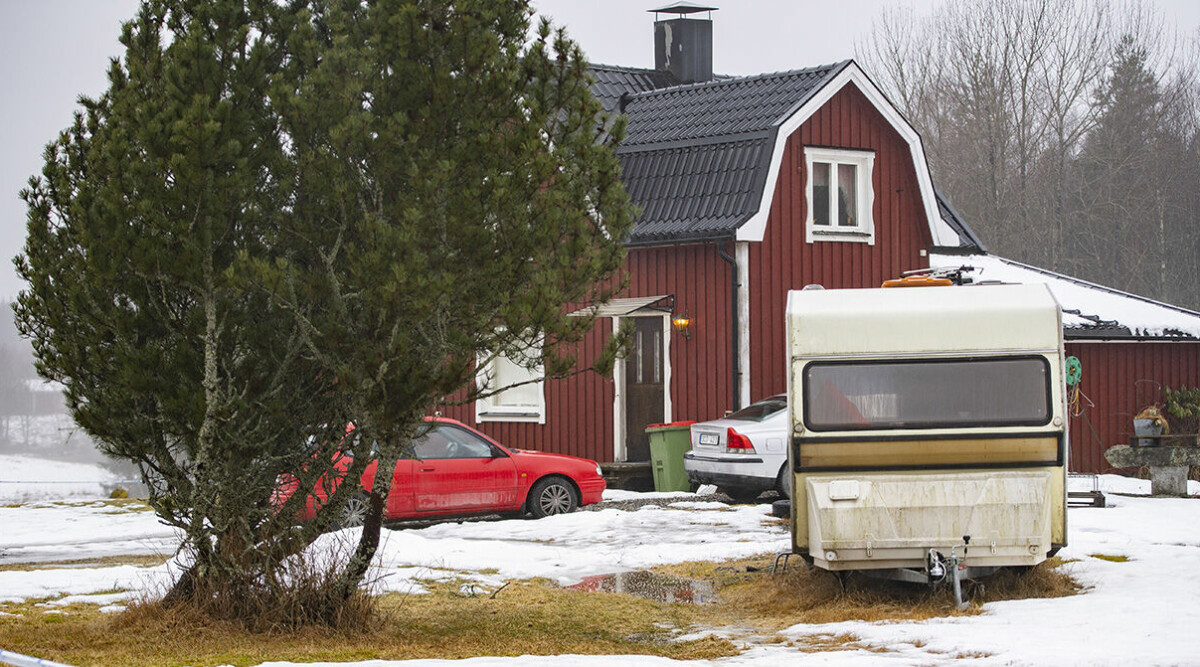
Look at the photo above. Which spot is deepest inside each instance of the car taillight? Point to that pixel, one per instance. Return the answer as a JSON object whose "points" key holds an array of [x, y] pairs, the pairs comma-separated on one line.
{"points": [[736, 443]]}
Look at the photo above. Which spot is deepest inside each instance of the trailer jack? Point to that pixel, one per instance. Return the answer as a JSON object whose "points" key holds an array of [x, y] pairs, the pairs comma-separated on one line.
{"points": [[938, 567]]}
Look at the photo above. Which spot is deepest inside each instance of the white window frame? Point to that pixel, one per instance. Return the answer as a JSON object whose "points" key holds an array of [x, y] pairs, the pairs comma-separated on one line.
{"points": [[489, 409], [864, 162]]}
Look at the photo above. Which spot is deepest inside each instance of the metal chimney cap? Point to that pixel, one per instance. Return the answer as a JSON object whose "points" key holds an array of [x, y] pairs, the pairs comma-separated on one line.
{"points": [[682, 8]]}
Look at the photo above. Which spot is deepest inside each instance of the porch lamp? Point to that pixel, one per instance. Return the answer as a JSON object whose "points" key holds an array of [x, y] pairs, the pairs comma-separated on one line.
{"points": [[683, 324]]}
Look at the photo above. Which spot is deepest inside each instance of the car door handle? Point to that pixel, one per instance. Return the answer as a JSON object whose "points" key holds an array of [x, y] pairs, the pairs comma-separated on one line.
{"points": [[427, 469]]}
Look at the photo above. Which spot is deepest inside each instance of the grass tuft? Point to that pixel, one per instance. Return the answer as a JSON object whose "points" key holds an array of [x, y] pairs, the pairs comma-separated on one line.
{"points": [[1110, 558]]}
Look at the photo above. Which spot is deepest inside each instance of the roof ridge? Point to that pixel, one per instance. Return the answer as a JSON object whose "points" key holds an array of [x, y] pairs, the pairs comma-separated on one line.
{"points": [[623, 68], [734, 80], [1104, 288], [832, 71]]}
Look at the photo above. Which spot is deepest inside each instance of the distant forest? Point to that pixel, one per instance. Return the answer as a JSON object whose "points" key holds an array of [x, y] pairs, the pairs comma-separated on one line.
{"points": [[1066, 132], [16, 367]]}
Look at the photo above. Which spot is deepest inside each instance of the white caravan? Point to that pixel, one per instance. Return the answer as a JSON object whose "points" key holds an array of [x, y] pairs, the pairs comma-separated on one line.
{"points": [[928, 429]]}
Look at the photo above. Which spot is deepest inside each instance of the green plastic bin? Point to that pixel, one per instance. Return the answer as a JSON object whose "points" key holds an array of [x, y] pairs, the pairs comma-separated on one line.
{"points": [[668, 444]]}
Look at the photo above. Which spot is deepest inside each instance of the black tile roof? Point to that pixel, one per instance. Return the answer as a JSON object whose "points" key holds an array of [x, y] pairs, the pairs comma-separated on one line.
{"points": [[609, 82], [695, 157], [723, 108], [695, 192]]}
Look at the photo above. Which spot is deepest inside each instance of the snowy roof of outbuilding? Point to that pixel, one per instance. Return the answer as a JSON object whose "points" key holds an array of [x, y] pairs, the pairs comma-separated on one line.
{"points": [[1090, 311]]}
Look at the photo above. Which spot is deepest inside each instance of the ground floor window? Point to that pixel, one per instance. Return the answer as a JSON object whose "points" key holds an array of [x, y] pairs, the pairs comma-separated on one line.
{"points": [[520, 379]]}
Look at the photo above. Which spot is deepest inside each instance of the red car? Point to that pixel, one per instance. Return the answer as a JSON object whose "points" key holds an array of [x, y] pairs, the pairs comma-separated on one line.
{"points": [[458, 471]]}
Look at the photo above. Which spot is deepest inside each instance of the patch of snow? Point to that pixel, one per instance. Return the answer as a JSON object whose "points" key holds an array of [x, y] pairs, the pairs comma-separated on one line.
{"points": [[700, 505], [1142, 316], [621, 494], [1130, 486], [81, 530], [102, 599], [28, 478], [568, 547], [1141, 609]]}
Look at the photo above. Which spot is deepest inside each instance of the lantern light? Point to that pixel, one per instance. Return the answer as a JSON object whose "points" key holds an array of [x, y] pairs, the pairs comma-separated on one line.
{"points": [[683, 324]]}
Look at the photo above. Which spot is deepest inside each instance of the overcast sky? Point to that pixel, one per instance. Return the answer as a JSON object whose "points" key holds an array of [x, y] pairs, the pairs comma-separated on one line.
{"points": [[53, 51]]}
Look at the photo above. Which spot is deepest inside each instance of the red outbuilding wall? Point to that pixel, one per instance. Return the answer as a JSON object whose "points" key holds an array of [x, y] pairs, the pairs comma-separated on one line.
{"points": [[1119, 379]]}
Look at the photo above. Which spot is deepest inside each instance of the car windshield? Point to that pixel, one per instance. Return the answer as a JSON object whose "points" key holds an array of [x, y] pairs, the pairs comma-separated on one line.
{"points": [[756, 412]]}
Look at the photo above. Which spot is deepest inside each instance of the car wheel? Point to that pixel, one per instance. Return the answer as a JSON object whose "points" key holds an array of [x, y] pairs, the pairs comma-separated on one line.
{"points": [[783, 483], [552, 495], [782, 509], [740, 495], [354, 514]]}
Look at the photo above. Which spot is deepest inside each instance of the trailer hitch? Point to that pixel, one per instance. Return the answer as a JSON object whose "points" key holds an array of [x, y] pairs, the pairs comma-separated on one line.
{"points": [[937, 567]]}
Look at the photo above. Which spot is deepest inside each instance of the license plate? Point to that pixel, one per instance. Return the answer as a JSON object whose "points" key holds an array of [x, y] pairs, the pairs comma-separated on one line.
{"points": [[709, 438]]}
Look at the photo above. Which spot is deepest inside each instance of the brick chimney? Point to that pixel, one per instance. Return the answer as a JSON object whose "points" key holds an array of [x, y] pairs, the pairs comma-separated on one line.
{"points": [[683, 44]]}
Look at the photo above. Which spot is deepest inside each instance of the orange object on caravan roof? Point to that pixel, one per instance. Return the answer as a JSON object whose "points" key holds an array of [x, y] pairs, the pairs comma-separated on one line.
{"points": [[918, 281]]}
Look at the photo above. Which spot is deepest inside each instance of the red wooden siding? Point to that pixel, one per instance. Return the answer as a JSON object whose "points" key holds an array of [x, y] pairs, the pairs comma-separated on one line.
{"points": [[579, 417], [784, 261], [1119, 379], [578, 411], [699, 279]]}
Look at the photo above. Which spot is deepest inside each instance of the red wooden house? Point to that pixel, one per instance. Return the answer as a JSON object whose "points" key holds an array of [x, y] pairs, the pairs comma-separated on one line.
{"points": [[751, 187]]}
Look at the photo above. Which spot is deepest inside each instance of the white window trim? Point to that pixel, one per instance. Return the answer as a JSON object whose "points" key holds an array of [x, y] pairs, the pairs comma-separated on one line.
{"points": [[486, 410], [864, 161]]}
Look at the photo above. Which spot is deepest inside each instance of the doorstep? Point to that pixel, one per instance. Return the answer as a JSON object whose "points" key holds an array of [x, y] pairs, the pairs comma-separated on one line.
{"points": [[628, 475]]}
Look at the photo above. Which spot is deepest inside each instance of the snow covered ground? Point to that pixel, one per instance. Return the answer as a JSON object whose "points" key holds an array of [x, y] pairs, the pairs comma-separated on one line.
{"points": [[29, 478], [1145, 610]]}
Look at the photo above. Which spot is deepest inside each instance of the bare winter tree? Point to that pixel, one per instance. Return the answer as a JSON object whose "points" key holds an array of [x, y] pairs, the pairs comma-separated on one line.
{"points": [[1007, 94]]}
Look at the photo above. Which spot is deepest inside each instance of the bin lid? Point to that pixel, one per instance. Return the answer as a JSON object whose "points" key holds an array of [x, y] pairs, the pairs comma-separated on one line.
{"points": [[679, 424]]}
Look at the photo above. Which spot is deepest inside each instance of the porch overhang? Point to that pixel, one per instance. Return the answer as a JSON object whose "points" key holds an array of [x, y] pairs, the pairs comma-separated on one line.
{"points": [[628, 306]]}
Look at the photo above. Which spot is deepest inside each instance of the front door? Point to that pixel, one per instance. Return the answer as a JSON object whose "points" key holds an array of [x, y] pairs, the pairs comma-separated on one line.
{"points": [[644, 386]]}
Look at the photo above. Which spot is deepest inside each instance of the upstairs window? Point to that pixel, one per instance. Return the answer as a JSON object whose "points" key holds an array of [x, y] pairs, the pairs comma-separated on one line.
{"points": [[839, 194]]}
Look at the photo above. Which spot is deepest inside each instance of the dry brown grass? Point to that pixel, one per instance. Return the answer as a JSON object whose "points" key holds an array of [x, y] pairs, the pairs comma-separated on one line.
{"points": [[1111, 558], [839, 642], [144, 560], [801, 595], [525, 617], [533, 617]]}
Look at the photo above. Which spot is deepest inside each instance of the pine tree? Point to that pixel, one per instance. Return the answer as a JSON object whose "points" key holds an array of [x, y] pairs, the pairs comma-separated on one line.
{"points": [[282, 218], [1117, 234], [147, 232], [457, 183]]}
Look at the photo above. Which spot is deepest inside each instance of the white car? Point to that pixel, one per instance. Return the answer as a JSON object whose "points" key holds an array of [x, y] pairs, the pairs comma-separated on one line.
{"points": [[745, 453]]}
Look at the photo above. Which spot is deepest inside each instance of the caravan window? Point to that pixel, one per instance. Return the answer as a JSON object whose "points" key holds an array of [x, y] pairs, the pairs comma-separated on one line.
{"points": [[931, 393]]}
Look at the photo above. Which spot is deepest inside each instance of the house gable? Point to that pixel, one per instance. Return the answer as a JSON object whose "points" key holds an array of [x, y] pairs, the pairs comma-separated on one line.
{"points": [[942, 234], [701, 160], [785, 257]]}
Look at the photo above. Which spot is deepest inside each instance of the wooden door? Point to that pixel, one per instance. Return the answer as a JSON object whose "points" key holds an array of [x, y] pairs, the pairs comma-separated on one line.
{"points": [[644, 388]]}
